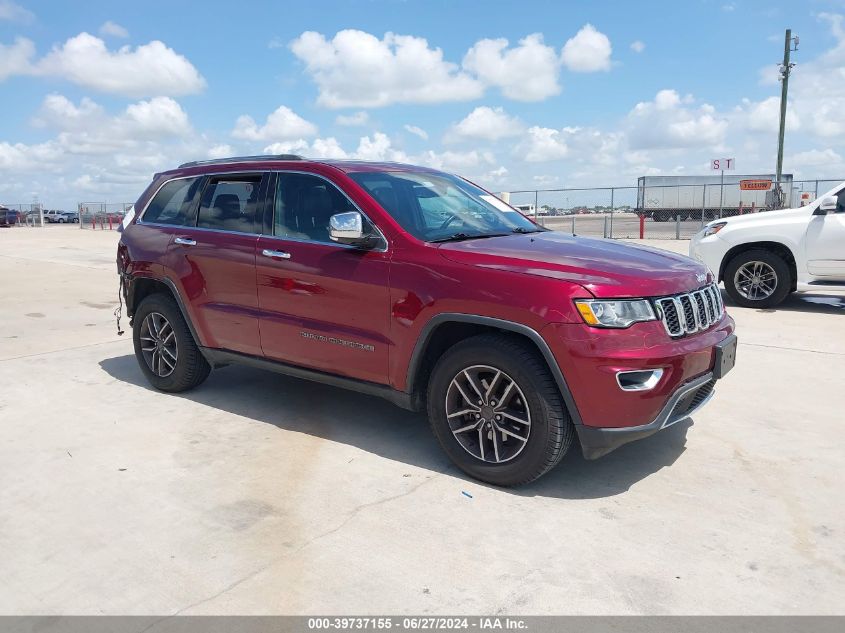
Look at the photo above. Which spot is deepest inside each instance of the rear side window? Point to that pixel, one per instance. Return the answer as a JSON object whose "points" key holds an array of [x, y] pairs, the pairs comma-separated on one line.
{"points": [[230, 204], [173, 202]]}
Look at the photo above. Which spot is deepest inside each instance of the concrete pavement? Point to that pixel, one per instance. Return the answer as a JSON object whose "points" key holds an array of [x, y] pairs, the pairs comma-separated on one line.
{"points": [[260, 494]]}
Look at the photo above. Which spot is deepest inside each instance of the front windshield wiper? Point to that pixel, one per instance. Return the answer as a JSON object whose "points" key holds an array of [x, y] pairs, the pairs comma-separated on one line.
{"points": [[520, 229], [458, 237]]}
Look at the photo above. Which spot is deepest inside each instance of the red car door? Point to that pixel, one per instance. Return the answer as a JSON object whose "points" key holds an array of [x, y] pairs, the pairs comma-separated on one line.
{"points": [[323, 305], [214, 262]]}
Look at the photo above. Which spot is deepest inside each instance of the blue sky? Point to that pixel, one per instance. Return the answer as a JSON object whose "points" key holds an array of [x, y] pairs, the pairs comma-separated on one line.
{"points": [[97, 97]]}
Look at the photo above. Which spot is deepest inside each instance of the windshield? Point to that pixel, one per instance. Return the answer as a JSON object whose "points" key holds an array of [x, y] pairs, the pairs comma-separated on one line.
{"points": [[438, 207]]}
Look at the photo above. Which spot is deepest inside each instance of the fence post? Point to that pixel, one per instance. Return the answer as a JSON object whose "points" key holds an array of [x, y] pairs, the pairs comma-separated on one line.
{"points": [[642, 225], [536, 207], [703, 202], [604, 227], [573, 224], [612, 190], [677, 226]]}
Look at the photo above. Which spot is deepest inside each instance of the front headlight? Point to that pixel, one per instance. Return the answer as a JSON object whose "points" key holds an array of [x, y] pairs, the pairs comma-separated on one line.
{"points": [[714, 228], [619, 313]]}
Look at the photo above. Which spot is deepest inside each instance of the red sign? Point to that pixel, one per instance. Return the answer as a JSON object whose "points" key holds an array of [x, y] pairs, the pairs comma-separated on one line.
{"points": [[755, 185]]}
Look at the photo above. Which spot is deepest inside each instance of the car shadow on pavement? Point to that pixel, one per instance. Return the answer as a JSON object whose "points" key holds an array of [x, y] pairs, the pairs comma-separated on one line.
{"points": [[376, 426], [802, 302]]}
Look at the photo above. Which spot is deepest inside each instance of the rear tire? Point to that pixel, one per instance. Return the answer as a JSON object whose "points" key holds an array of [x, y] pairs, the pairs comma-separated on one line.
{"points": [[534, 396], [175, 363], [768, 267]]}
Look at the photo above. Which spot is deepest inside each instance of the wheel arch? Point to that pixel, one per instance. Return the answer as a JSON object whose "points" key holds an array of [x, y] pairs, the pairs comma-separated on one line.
{"points": [[778, 248], [142, 287], [444, 330]]}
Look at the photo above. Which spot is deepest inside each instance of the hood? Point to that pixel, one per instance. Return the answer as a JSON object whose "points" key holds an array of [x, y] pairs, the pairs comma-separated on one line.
{"points": [[764, 216], [607, 268]]}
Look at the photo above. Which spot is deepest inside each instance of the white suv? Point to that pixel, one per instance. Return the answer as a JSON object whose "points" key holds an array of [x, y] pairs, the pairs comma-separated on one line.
{"points": [[763, 257]]}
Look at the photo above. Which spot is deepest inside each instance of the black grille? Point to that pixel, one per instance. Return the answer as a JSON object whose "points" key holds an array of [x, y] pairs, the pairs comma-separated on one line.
{"points": [[670, 314], [711, 305], [690, 312], [689, 401], [686, 302]]}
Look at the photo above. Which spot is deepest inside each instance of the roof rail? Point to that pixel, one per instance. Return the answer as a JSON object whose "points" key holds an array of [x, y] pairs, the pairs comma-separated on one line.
{"points": [[242, 159]]}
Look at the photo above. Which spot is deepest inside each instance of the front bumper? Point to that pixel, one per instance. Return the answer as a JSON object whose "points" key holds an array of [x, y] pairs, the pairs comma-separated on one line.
{"points": [[687, 399], [607, 415]]}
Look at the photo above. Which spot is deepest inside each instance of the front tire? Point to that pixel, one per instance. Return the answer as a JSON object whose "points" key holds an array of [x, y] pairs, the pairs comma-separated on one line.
{"points": [[758, 279], [519, 431], [164, 347]]}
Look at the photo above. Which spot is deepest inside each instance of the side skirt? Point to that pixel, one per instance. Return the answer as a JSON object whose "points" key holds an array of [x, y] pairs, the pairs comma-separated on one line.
{"points": [[219, 358]]}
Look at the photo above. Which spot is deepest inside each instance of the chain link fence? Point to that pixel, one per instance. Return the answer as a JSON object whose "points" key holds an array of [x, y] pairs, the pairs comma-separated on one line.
{"points": [[22, 215], [650, 211], [102, 215]]}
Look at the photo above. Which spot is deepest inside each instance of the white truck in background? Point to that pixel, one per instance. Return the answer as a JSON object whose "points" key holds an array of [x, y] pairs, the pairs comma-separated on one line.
{"points": [[665, 198], [763, 257]]}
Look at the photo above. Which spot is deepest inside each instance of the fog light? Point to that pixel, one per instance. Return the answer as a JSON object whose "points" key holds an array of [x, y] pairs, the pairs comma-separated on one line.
{"points": [[638, 380]]}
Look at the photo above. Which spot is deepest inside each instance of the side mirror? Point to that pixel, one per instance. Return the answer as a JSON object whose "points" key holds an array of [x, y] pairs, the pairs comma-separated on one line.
{"points": [[348, 228], [828, 203]]}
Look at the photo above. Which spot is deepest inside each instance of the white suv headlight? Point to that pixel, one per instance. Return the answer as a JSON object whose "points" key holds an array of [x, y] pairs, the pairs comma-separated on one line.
{"points": [[712, 229], [618, 313]]}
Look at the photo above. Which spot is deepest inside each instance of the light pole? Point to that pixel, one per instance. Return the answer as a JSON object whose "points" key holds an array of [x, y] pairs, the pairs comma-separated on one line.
{"points": [[785, 71]]}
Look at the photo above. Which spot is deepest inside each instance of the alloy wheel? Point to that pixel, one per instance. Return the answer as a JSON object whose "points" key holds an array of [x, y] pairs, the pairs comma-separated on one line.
{"points": [[158, 344], [488, 414], [755, 280]]}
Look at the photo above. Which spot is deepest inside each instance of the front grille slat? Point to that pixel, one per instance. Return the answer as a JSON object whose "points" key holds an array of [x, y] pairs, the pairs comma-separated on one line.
{"points": [[690, 312]]}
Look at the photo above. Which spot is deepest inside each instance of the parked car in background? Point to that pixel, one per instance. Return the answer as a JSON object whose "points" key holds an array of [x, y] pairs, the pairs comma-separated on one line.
{"points": [[8, 217], [417, 286], [764, 257], [70, 216]]}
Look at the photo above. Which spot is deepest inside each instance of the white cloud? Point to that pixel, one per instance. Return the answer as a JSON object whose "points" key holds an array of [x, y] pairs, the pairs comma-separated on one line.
{"points": [[14, 12], [149, 70], [589, 51], [672, 122], [637, 46], [282, 124], [527, 72], [87, 129], [416, 131], [379, 147], [16, 59], [60, 112], [764, 116], [455, 161], [486, 123], [222, 150], [495, 176], [319, 148], [816, 158], [355, 68], [158, 117], [354, 119], [543, 144], [113, 29], [729, 8]]}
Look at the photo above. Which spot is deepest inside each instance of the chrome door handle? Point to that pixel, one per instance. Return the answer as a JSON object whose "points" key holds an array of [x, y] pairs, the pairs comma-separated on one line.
{"points": [[185, 241], [276, 254]]}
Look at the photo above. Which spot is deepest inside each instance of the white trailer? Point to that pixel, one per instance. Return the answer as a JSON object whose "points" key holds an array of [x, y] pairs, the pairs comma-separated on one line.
{"points": [[666, 198]]}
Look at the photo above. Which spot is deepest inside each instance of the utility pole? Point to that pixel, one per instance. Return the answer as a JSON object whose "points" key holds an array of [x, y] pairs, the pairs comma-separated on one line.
{"points": [[785, 71]]}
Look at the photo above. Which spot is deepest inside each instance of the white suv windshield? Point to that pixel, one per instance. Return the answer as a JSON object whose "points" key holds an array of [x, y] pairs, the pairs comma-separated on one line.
{"points": [[439, 207]]}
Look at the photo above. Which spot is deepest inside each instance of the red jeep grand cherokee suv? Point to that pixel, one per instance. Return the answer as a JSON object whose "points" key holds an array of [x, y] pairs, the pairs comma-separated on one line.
{"points": [[420, 287]]}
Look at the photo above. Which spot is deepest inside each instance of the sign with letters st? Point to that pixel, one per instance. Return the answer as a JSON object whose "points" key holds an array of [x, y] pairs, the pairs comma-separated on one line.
{"points": [[723, 164]]}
